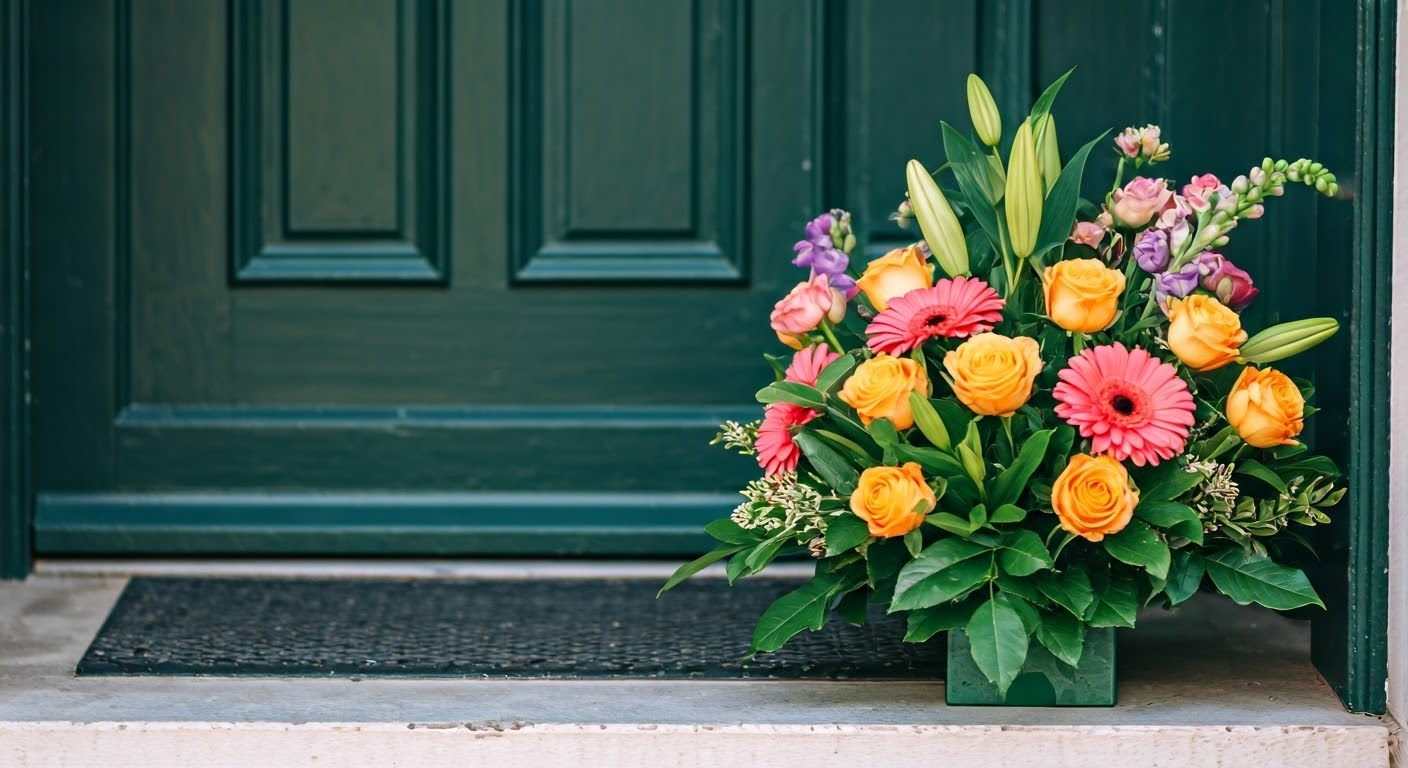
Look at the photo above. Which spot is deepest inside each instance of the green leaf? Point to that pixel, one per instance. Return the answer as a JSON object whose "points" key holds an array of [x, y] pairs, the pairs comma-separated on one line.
{"points": [[845, 531], [1023, 553], [1023, 587], [698, 564], [970, 168], [846, 446], [1063, 635], [946, 570], [830, 465], [1249, 577], [792, 392], [1166, 482], [928, 421], [1140, 546], [1253, 468], [1115, 606], [1059, 211], [1185, 575], [1031, 618], [931, 459], [1313, 465], [1219, 444], [999, 643], [883, 430], [927, 622], [802, 608], [1177, 519], [1069, 589], [978, 516], [951, 523], [883, 559], [1048, 98], [1007, 487], [737, 568], [1007, 513], [834, 372], [853, 606], [728, 531], [914, 542], [764, 553]]}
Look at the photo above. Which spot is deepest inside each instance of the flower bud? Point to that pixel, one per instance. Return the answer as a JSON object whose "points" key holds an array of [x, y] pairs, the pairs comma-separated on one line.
{"points": [[1048, 153], [1023, 192], [936, 220], [1257, 177], [1240, 184], [1285, 339], [987, 121], [928, 421]]}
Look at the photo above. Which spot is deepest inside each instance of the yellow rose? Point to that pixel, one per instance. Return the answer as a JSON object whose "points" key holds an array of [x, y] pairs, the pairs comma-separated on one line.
{"points": [[993, 374], [1082, 294], [1203, 333], [888, 499], [893, 275], [880, 387], [1092, 496], [1266, 407]]}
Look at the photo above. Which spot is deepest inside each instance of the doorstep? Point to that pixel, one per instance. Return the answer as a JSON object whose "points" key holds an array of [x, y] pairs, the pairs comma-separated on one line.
{"points": [[1213, 684]]}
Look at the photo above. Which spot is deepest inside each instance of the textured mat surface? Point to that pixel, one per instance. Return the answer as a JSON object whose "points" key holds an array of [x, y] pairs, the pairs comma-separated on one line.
{"points": [[560, 629]]}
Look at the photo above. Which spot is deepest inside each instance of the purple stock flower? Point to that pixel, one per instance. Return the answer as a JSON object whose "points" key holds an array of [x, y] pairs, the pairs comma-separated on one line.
{"points": [[1176, 284], [1151, 251], [819, 251], [818, 240], [1232, 284]]}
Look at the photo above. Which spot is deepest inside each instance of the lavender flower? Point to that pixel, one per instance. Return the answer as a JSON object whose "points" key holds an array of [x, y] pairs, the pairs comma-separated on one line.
{"points": [[825, 249], [1151, 251], [1176, 284]]}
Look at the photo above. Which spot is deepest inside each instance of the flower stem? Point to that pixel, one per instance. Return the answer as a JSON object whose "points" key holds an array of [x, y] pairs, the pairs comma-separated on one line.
{"points": [[1007, 427], [831, 336], [1119, 176]]}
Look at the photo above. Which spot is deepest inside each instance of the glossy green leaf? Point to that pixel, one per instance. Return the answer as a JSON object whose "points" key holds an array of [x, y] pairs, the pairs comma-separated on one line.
{"points": [[1070, 589], [834, 373], [1007, 513], [931, 459], [970, 169], [951, 523], [1007, 487], [1023, 553], [829, 465], [1249, 577], [1059, 210], [1044, 102], [1253, 468], [914, 542], [845, 531], [802, 608], [764, 553], [1115, 606], [999, 643], [1031, 618], [1177, 519], [1063, 635], [853, 606], [883, 559], [927, 622], [792, 392], [1185, 575], [728, 531], [946, 570], [883, 430], [737, 568], [1166, 482], [1140, 546], [698, 564]]}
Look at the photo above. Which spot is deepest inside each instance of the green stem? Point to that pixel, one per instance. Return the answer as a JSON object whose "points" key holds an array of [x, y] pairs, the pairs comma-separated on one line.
{"points": [[1119, 176], [831, 336], [1078, 341], [1069, 538], [1007, 427]]}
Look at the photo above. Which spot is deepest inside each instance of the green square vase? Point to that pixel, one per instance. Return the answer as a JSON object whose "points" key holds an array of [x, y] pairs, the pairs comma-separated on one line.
{"points": [[1044, 681]]}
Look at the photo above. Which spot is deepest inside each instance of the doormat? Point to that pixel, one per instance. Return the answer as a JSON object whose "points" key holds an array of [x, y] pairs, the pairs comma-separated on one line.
{"points": [[484, 629]]}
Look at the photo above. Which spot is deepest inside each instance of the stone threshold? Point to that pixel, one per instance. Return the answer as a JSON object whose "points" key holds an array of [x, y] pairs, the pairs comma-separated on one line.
{"points": [[1211, 684]]}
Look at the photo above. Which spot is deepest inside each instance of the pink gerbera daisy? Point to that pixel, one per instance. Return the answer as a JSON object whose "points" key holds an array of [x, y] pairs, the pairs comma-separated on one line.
{"points": [[776, 450], [957, 308], [808, 363], [1129, 403]]}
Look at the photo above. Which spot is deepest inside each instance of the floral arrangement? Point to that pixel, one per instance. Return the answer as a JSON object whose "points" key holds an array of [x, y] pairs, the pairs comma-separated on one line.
{"points": [[1039, 418]]}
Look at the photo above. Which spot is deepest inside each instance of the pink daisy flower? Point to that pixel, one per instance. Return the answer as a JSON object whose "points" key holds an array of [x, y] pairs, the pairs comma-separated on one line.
{"points": [[958, 308], [1130, 404], [808, 363], [776, 450]]}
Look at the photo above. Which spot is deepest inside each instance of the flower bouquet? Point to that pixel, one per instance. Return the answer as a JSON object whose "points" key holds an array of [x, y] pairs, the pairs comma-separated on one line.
{"points": [[1039, 418]]}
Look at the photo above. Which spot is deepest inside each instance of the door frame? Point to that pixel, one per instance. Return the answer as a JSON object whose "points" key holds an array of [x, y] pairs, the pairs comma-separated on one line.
{"points": [[1364, 643]]}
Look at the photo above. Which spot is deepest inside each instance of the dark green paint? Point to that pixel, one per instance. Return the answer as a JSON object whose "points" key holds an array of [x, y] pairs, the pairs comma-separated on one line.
{"points": [[337, 147], [421, 524], [1044, 680], [14, 294]]}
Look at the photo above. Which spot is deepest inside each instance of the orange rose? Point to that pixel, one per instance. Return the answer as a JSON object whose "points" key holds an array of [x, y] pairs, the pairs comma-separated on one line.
{"points": [[1203, 333], [993, 374], [1092, 496], [1266, 407], [1082, 294], [880, 387], [889, 499], [893, 275]]}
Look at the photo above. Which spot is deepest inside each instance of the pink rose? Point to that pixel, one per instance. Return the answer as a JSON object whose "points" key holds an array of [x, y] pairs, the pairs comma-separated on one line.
{"points": [[1088, 233], [1128, 142], [1139, 201], [803, 309]]}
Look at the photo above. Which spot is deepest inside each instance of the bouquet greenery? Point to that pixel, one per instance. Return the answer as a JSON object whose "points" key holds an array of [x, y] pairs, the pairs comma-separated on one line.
{"points": [[1041, 417]]}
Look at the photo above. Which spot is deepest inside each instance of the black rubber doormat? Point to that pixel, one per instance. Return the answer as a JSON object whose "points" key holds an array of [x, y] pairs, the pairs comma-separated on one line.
{"points": [[496, 629]]}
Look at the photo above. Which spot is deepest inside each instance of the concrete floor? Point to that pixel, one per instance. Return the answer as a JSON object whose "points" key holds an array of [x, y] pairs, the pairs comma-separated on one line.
{"points": [[1213, 684]]}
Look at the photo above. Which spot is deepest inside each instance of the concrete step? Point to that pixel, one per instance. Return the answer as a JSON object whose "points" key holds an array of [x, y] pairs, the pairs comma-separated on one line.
{"points": [[1211, 685]]}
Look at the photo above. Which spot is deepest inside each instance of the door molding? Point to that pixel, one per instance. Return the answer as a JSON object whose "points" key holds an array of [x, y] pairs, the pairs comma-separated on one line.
{"points": [[15, 557]]}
